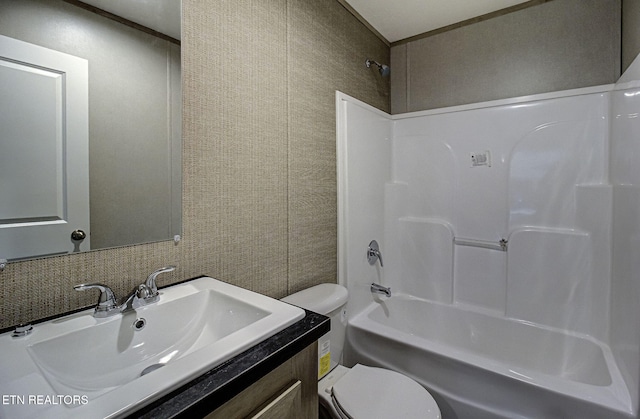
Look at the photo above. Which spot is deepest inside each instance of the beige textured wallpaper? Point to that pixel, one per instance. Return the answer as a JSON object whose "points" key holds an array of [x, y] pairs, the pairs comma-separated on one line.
{"points": [[259, 182], [630, 32], [557, 45]]}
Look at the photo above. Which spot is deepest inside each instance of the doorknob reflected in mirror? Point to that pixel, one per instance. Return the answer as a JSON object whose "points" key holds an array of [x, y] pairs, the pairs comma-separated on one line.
{"points": [[78, 235]]}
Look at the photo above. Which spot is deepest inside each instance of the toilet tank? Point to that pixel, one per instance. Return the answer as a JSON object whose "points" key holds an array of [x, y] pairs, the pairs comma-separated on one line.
{"points": [[329, 300]]}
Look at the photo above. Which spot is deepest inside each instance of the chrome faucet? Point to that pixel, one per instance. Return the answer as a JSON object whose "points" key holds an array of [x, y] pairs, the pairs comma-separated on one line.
{"points": [[149, 290], [145, 293], [373, 253], [107, 303], [379, 289]]}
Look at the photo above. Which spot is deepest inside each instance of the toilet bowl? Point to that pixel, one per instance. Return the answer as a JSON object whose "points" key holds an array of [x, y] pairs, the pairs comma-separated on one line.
{"points": [[361, 391]]}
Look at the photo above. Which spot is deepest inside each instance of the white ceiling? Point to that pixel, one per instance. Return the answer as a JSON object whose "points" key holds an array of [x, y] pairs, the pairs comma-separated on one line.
{"points": [[160, 15], [393, 19], [400, 19]]}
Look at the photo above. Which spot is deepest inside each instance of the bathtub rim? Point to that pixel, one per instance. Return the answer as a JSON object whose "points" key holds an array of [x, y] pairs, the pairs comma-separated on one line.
{"points": [[615, 396]]}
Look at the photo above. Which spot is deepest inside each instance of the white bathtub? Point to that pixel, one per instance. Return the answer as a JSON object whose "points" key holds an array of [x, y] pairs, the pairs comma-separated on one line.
{"points": [[480, 365]]}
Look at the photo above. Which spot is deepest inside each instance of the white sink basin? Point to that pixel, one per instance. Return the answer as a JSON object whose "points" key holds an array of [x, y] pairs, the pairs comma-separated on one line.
{"points": [[81, 366]]}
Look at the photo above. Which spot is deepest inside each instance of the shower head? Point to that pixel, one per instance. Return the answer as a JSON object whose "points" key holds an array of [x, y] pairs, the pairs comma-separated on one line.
{"points": [[383, 69]]}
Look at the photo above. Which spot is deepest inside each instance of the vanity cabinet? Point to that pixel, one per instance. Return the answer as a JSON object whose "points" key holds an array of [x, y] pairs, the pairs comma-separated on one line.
{"points": [[277, 378], [289, 391]]}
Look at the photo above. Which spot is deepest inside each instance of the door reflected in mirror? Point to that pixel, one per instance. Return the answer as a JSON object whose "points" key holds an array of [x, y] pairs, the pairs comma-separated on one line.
{"points": [[133, 129]]}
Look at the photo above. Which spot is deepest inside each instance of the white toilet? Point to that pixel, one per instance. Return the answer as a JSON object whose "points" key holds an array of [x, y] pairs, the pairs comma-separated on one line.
{"points": [[360, 392]]}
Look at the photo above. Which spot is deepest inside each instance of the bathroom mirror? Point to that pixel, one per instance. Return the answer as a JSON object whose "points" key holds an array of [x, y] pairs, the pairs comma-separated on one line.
{"points": [[133, 106]]}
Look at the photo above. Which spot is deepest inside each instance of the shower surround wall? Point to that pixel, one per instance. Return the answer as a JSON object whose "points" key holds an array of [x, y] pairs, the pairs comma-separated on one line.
{"points": [[525, 235], [625, 177], [543, 189]]}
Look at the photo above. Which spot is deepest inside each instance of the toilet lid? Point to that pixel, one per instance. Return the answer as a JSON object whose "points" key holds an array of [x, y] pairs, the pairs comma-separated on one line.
{"points": [[368, 392]]}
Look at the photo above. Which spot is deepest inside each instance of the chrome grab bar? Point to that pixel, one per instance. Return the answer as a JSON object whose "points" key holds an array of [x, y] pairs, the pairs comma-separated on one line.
{"points": [[501, 245]]}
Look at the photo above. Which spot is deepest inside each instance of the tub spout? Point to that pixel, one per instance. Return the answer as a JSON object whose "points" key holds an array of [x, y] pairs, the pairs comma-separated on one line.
{"points": [[379, 289]]}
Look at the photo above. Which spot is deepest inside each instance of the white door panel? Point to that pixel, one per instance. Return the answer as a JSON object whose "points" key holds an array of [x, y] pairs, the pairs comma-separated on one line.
{"points": [[44, 179]]}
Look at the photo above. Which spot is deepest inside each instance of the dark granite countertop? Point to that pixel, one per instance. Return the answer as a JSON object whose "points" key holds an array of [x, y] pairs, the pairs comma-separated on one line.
{"points": [[214, 388]]}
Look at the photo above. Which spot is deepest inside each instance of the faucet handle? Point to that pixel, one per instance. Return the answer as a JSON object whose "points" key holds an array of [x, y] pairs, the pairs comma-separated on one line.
{"points": [[107, 301], [150, 283], [373, 253]]}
